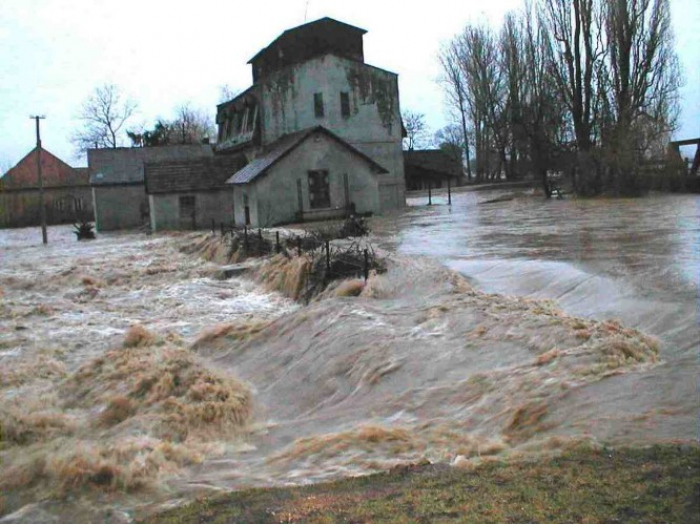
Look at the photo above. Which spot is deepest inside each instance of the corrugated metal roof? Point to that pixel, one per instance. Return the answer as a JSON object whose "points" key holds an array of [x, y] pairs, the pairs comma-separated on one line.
{"points": [[280, 148]]}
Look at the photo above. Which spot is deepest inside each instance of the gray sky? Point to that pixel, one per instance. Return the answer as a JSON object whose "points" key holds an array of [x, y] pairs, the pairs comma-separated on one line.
{"points": [[53, 53]]}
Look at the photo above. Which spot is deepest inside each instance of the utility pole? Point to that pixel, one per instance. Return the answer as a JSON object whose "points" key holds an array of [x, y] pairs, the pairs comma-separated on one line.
{"points": [[41, 180]]}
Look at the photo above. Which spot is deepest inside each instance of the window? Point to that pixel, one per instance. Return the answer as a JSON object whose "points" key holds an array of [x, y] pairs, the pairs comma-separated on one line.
{"points": [[252, 114], [345, 104], [318, 105], [319, 190]]}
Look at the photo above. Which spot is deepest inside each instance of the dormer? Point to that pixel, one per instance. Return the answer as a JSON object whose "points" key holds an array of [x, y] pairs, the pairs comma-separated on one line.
{"points": [[308, 41], [239, 121]]}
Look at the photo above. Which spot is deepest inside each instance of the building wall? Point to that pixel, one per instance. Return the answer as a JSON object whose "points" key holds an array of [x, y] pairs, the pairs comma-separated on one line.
{"points": [[117, 178], [120, 207], [374, 125], [209, 205], [274, 197], [21, 208]]}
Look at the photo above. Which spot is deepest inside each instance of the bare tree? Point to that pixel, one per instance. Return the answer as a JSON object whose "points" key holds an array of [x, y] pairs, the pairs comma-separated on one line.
{"points": [[226, 93], [451, 140], [416, 130], [103, 114], [485, 89], [576, 30], [453, 82], [643, 83], [191, 125]]}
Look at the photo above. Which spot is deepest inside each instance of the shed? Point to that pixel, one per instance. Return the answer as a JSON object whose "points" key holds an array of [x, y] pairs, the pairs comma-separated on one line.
{"points": [[191, 194], [117, 181], [430, 168]]}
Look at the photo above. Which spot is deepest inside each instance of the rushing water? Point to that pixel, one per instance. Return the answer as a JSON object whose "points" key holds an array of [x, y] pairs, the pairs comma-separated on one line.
{"points": [[419, 366], [637, 260]]}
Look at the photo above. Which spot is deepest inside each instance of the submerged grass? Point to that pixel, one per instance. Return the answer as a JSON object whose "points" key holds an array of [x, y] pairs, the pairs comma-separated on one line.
{"points": [[658, 484]]}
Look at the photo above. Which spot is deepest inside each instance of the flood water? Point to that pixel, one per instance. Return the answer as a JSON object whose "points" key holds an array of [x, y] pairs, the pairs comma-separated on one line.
{"points": [[636, 260], [488, 336]]}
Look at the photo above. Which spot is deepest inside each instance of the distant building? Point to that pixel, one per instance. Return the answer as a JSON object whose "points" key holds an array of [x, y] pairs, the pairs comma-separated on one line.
{"points": [[117, 181], [190, 194], [67, 194], [431, 168], [319, 122]]}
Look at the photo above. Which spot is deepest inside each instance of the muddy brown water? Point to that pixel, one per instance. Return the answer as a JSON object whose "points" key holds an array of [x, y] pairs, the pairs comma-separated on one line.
{"points": [[636, 260], [424, 365]]}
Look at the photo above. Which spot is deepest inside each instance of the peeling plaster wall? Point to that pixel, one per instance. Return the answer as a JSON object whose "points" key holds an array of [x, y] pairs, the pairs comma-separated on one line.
{"points": [[374, 124], [209, 205], [274, 196]]}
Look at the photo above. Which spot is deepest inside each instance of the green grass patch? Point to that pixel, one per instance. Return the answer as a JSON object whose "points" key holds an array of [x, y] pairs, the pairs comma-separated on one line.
{"points": [[656, 484]]}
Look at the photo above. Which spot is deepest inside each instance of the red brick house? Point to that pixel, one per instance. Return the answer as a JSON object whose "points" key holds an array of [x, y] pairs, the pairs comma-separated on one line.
{"points": [[67, 194]]}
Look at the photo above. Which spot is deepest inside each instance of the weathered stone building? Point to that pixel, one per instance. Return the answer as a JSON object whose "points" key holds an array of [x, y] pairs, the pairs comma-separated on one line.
{"points": [[117, 181], [190, 194], [310, 79], [67, 194]]}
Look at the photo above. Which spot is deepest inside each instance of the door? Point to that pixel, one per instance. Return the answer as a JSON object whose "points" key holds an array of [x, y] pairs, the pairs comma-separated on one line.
{"points": [[188, 219]]}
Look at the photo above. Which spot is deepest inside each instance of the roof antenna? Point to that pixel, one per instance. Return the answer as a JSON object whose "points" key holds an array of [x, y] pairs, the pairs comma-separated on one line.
{"points": [[306, 11]]}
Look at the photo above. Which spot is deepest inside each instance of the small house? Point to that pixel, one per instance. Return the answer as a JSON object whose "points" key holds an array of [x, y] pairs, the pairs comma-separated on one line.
{"points": [[308, 175], [190, 194]]}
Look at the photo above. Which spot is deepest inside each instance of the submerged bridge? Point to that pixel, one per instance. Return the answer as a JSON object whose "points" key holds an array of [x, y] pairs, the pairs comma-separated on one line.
{"points": [[690, 142]]}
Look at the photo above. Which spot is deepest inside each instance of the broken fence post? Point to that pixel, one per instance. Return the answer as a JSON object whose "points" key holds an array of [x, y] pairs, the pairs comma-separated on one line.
{"points": [[430, 194], [366, 266], [328, 256], [449, 192], [245, 237], [277, 241], [213, 226]]}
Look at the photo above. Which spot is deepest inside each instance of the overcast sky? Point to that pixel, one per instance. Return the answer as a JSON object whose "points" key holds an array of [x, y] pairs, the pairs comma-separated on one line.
{"points": [[53, 53]]}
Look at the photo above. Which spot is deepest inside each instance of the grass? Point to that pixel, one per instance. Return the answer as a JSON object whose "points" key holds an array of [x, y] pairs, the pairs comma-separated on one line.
{"points": [[657, 484]]}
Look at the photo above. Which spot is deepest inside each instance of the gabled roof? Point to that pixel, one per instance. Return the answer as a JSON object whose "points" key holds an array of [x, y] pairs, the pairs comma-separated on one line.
{"points": [[54, 173], [204, 174], [301, 30], [285, 145], [434, 160]]}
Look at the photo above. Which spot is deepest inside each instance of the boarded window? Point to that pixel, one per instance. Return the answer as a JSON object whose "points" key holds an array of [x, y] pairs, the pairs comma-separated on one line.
{"points": [[318, 105], [345, 104], [319, 190]]}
